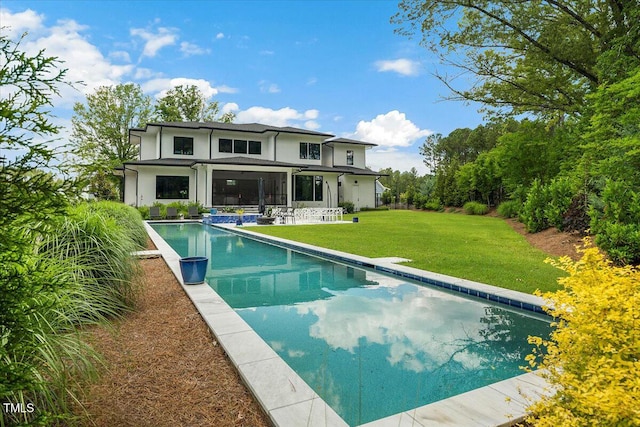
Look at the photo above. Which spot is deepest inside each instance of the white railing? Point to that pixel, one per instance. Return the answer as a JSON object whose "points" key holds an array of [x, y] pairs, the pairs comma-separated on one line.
{"points": [[307, 215], [311, 215]]}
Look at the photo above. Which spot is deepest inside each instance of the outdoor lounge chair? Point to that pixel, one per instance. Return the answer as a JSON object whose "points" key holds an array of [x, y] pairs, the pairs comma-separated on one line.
{"points": [[172, 213], [194, 213], [154, 212]]}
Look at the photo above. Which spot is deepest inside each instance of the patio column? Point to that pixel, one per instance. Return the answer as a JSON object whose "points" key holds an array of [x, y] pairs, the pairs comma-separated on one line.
{"points": [[289, 188]]}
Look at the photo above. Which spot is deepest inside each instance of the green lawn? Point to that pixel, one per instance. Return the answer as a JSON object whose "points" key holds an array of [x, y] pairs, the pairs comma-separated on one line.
{"points": [[479, 248]]}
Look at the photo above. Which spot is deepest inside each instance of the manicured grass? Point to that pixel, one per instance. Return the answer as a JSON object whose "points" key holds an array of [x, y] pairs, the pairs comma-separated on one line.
{"points": [[479, 248]]}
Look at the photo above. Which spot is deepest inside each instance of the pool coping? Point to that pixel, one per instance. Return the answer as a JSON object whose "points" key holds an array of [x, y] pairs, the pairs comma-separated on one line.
{"points": [[289, 401]]}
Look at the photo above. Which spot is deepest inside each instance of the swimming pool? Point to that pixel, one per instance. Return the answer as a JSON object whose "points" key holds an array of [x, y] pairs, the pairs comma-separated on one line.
{"points": [[369, 344]]}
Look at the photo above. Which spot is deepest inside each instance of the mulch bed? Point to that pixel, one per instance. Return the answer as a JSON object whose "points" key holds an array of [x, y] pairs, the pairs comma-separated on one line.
{"points": [[163, 367]]}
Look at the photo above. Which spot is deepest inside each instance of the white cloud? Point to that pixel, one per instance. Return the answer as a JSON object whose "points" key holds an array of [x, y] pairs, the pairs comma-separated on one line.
{"points": [[17, 23], [267, 52], [219, 36], [155, 41], [311, 125], [83, 61], [227, 89], [120, 55], [390, 130], [266, 87], [230, 107], [405, 67], [160, 86], [190, 49], [286, 116]]}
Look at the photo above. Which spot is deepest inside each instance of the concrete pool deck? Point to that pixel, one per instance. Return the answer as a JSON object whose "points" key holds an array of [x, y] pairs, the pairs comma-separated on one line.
{"points": [[289, 401]]}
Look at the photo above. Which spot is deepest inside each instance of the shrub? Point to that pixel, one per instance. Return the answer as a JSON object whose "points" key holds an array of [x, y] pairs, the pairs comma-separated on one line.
{"points": [[509, 209], [533, 211], [144, 212], [560, 193], [475, 208], [433, 205], [617, 225], [348, 206], [576, 217], [593, 353]]}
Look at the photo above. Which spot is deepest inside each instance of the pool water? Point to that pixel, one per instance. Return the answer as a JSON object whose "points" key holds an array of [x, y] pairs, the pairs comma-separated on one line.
{"points": [[371, 345]]}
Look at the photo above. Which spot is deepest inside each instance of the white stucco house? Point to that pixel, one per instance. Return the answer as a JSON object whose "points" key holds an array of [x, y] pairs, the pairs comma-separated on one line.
{"points": [[220, 164]]}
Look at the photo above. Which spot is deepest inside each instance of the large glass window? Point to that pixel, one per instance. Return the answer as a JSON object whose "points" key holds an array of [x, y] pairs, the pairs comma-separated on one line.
{"points": [[309, 150], [225, 146], [350, 157], [183, 145], [172, 187], [308, 188]]}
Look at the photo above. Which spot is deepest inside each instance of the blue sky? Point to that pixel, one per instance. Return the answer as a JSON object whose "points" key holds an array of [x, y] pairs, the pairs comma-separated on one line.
{"points": [[332, 66]]}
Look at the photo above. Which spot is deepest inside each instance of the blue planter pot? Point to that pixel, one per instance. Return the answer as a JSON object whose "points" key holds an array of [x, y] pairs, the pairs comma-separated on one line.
{"points": [[193, 269]]}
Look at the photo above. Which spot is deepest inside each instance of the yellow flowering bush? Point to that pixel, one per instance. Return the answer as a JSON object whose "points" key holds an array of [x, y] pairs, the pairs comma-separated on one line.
{"points": [[593, 355]]}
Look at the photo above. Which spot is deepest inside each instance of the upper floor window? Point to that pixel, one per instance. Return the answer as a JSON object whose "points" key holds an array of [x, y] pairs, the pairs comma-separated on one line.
{"points": [[183, 145], [309, 150], [350, 157], [240, 146], [225, 146], [255, 147]]}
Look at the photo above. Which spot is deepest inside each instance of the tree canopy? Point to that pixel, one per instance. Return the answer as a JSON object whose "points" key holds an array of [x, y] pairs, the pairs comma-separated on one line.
{"points": [[189, 104], [540, 57], [100, 132]]}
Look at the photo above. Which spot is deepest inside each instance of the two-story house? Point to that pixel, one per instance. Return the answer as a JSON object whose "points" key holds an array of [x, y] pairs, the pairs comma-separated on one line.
{"points": [[222, 164]]}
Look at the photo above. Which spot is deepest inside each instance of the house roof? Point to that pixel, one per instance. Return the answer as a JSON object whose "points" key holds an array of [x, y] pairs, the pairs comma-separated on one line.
{"points": [[349, 141], [235, 127], [341, 169], [223, 161]]}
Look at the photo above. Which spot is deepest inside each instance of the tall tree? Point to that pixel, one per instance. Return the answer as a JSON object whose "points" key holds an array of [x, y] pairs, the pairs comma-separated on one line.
{"points": [[189, 104], [100, 131], [540, 57]]}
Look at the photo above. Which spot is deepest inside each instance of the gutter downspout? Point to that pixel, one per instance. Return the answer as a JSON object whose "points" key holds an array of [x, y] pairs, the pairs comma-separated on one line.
{"points": [[160, 142], [125, 182], [275, 147], [211, 144]]}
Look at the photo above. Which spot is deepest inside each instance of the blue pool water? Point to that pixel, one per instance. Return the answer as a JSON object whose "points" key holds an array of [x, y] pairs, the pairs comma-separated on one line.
{"points": [[371, 345]]}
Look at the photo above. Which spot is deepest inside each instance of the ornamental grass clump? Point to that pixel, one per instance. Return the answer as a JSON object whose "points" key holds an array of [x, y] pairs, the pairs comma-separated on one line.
{"points": [[593, 355], [99, 242]]}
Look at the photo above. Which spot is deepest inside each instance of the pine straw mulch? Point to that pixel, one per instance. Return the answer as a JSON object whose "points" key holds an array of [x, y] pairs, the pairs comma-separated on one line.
{"points": [[163, 367]]}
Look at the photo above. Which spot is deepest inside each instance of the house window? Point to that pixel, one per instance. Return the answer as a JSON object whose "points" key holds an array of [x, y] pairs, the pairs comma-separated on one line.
{"points": [[183, 145], [225, 145], [350, 157], [308, 188], [255, 147], [172, 187], [309, 150], [240, 146]]}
